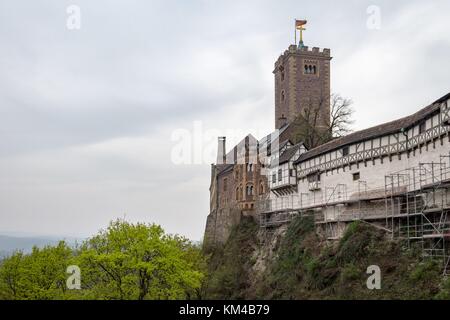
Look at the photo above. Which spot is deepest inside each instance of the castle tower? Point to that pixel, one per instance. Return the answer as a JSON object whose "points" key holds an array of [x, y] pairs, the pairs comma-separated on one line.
{"points": [[302, 80]]}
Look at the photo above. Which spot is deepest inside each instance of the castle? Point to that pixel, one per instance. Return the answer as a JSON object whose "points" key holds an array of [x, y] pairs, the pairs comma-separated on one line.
{"points": [[395, 176]]}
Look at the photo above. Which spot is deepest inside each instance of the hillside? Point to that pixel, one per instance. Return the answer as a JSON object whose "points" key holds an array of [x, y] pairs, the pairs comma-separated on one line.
{"points": [[9, 244], [295, 263]]}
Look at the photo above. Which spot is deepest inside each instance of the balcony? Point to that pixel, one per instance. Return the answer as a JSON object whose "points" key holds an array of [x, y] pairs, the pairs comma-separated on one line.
{"points": [[287, 182]]}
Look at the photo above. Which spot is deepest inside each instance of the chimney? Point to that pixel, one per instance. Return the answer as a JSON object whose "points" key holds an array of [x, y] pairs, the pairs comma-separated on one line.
{"points": [[221, 154]]}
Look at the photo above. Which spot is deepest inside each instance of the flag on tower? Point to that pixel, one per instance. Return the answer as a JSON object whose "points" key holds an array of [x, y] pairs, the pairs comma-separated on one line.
{"points": [[299, 24]]}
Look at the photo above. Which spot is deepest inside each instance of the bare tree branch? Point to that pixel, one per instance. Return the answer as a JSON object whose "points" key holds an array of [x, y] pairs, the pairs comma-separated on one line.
{"points": [[313, 131]]}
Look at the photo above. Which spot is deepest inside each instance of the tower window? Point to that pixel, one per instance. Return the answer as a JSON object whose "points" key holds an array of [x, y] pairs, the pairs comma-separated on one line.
{"points": [[282, 75], [356, 176], [249, 190], [310, 67], [282, 95]]}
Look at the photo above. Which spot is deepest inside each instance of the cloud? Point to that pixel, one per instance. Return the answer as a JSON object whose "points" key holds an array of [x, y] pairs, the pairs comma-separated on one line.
{"points": [[86, 117]]}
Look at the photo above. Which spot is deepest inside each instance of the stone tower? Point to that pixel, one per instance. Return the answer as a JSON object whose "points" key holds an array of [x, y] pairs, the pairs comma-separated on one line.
{"points": [[302, 80]]}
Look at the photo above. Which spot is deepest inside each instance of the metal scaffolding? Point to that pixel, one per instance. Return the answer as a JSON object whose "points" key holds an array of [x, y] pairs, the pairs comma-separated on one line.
{"points": [[413, 204], [417, 207]]}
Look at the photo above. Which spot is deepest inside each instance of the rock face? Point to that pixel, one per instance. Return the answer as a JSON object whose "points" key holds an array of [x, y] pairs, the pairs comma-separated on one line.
{"points": [[267, 250], [294, 262]]}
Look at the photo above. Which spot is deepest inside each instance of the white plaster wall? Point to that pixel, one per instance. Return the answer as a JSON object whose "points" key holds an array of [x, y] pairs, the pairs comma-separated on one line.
{"points": [[374, 173]]}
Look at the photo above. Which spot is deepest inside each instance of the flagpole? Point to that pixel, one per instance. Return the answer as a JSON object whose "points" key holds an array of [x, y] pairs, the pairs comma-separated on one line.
{"points": [[295, 32]]}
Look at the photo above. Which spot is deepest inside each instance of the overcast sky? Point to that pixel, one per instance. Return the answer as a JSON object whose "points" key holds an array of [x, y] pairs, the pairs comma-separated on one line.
{"points": [[89, 117]]}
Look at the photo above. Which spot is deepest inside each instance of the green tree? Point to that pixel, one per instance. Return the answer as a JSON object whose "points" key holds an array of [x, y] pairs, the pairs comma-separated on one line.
{"points": [[38, 275], [138, 261]]}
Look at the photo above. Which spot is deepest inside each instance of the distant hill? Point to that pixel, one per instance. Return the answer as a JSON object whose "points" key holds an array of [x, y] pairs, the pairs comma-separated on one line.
{"points": [[9, 244]]}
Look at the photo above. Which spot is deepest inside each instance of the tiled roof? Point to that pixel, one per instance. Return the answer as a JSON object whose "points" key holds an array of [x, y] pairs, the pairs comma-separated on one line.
{"points": [[373, 132], [289, 153]]}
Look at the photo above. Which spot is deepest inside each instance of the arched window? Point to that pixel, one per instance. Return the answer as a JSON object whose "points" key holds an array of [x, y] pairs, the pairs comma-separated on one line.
{"points": [[314, 69], [282, 95], [249, 190], [261, 188], [306, 68], [237, 193]]}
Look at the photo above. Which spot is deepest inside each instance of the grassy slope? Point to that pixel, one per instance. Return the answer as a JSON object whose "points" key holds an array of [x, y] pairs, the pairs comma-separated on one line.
{"points": [[308, 268]]}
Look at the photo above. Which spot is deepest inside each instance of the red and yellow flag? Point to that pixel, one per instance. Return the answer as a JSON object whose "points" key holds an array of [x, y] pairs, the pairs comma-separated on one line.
{"points": [[299, 24]]}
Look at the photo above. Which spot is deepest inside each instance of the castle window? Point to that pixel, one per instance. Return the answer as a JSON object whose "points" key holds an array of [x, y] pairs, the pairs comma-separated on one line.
{"points": [[249, 190], [261, 188], [237, 193], [310, 67], [282, 75], [282, 95], [345, 151], [225, 182], [249, 167], [280, 174], [422, 127], [356, 176]]}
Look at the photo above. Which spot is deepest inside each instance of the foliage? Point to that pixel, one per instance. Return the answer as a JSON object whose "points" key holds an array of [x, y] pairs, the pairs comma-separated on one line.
{"points": [[125, 261], [39, 275], [229, 266], [308, 267]]}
